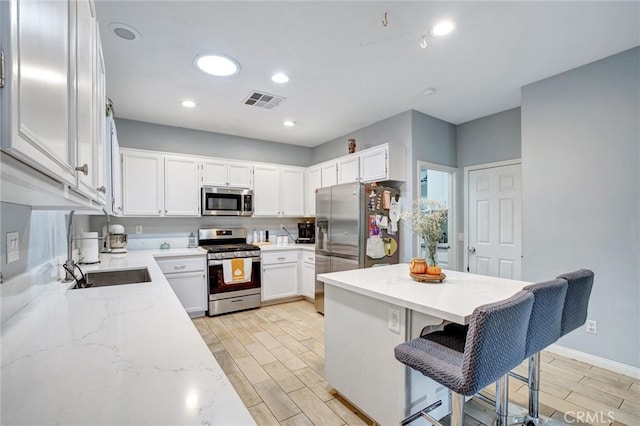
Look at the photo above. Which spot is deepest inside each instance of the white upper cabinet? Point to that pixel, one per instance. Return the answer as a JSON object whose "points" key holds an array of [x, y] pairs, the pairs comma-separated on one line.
{"points": [[218, 172], [181, 192], [154, 184], [329, 174], [53, 100], [266, 190], [103, 161], [373, 164], [349, 169], [142, 183], [380, 163], [85, 104], [278, 191], [37, 96], [312, 181], [239, 175], [292, 187]]}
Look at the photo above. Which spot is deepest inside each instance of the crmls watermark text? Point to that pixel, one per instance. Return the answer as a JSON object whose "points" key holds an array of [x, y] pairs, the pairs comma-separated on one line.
{"points": [[589, 417]]}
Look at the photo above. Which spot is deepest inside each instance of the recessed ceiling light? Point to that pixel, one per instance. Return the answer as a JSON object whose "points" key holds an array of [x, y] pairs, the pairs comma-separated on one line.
{"points": [[429, 91], [289, 123], [124, 31], [188, 103], [442, 28], [218, 65], [280, 78]]}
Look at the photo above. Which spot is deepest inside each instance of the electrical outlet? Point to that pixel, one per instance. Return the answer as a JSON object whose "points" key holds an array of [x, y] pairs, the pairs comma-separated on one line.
{"points": [[394, 320], [281, 227], [592, 326], [13, 247], [138, 229]]}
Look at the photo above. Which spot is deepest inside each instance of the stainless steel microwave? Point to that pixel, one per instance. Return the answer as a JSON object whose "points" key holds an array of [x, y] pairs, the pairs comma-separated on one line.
{"points": [[222, 201]]}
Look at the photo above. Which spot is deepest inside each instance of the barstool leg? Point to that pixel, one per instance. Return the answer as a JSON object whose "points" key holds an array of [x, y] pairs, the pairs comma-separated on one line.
{"points": [[457, 409], [502, 400], [534, 386]]}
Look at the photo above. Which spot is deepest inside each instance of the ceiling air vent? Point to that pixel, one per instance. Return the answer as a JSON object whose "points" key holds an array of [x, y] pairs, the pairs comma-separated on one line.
{"points": [[263, 100]]}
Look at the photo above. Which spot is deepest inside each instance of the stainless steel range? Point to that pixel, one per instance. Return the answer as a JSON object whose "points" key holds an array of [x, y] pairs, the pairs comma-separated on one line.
{"points": [[233, 270]]}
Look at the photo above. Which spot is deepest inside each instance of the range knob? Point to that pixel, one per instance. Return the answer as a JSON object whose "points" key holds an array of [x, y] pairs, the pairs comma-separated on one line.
{"points": [[237, 254], [219, 256], [248, 254]]}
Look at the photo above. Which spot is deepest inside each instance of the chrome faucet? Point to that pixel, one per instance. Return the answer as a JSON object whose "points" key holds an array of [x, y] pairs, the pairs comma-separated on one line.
{"points": [[106, 247], [69, 264]]}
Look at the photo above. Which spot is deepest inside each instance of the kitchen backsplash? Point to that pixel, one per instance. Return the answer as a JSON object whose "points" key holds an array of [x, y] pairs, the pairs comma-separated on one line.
{"points": [[42, 250], [154, 231]]}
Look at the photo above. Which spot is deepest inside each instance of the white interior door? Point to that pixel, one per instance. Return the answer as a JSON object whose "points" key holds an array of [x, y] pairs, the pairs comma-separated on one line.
{"points": [[495, 221]]}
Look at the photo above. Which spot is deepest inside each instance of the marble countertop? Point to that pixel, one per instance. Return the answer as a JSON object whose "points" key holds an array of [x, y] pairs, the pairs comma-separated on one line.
{"points": [[126, 354], [453, 300]]}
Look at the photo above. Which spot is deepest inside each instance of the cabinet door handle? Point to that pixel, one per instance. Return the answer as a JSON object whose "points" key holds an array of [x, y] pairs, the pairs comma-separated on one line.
{"points": [[84, 169], [102, 189], [281, 258], [179, 266]]}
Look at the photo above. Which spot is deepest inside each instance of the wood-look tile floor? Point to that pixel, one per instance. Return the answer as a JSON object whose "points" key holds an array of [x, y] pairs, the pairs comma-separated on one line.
{"points": [[274, 357]]}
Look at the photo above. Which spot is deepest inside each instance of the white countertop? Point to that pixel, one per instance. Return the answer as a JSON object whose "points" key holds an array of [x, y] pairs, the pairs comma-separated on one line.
{"points": [[453, 300], [274, 247], [125, 354]]}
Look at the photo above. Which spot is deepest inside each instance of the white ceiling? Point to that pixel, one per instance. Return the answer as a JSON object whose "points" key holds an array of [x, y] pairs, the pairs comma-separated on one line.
{"points": [[347, 70]]}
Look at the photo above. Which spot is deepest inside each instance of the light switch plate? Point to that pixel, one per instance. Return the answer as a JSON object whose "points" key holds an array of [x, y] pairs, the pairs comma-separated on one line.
{"points": [[13, 247]]}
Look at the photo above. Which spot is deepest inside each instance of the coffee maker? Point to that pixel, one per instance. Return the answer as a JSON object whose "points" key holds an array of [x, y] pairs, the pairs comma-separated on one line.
{"points": [[306, 233]]}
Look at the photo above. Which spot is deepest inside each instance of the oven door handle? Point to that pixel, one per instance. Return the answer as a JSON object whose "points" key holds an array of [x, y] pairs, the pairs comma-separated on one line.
{"points": [[219, 262]]}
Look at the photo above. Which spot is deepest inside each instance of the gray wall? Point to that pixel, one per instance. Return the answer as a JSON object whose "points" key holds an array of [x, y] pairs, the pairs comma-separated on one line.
{"points": [[393, 130], [488, 139], [434, 141], [581, 192], [156, 137]]}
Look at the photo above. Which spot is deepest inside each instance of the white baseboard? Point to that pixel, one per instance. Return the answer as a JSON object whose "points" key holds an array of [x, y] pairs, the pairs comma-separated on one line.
{"points": [[607, 364]]}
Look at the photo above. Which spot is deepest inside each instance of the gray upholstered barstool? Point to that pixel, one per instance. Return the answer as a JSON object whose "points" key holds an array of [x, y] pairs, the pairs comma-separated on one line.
{"points": [[544, 330], [495, 344], [574, 314]]}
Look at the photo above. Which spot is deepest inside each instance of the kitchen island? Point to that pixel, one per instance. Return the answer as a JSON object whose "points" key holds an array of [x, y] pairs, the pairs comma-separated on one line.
{"points": [[370, 311], [124, 354]]}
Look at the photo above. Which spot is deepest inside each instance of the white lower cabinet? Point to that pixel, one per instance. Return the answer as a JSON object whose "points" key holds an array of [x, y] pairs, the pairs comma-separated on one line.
{"points": [[279, 275], [188, 279], [308, 274]]}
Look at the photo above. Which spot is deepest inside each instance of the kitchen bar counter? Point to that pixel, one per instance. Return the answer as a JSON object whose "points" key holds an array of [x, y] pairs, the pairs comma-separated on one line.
{"points": [[370, 311], [126, 354], [454, 300]]}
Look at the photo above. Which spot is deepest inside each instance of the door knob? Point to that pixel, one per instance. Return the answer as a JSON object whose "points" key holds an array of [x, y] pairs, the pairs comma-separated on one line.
{"points": [[471, 250]]}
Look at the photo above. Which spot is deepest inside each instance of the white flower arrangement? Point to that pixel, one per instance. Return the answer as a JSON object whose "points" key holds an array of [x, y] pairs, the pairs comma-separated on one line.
{"points": [[426, 218]]}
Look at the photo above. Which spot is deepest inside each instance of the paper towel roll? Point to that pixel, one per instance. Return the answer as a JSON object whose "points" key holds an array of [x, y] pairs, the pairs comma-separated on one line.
{"points": [[89, 247]]}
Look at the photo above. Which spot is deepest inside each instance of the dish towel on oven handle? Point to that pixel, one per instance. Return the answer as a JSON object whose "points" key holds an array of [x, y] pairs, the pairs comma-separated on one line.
{"points": [[236, 271]]}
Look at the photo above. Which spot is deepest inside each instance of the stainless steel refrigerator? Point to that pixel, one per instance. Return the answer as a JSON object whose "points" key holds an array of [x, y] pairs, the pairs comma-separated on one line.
{"points": [[354, 230]]}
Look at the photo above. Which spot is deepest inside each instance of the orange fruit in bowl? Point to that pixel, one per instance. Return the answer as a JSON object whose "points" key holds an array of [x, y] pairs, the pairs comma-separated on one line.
{"points": [[434, 270]]}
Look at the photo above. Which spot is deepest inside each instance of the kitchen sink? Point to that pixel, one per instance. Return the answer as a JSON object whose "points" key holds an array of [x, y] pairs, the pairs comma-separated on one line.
{"points": [[123, 276]]}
